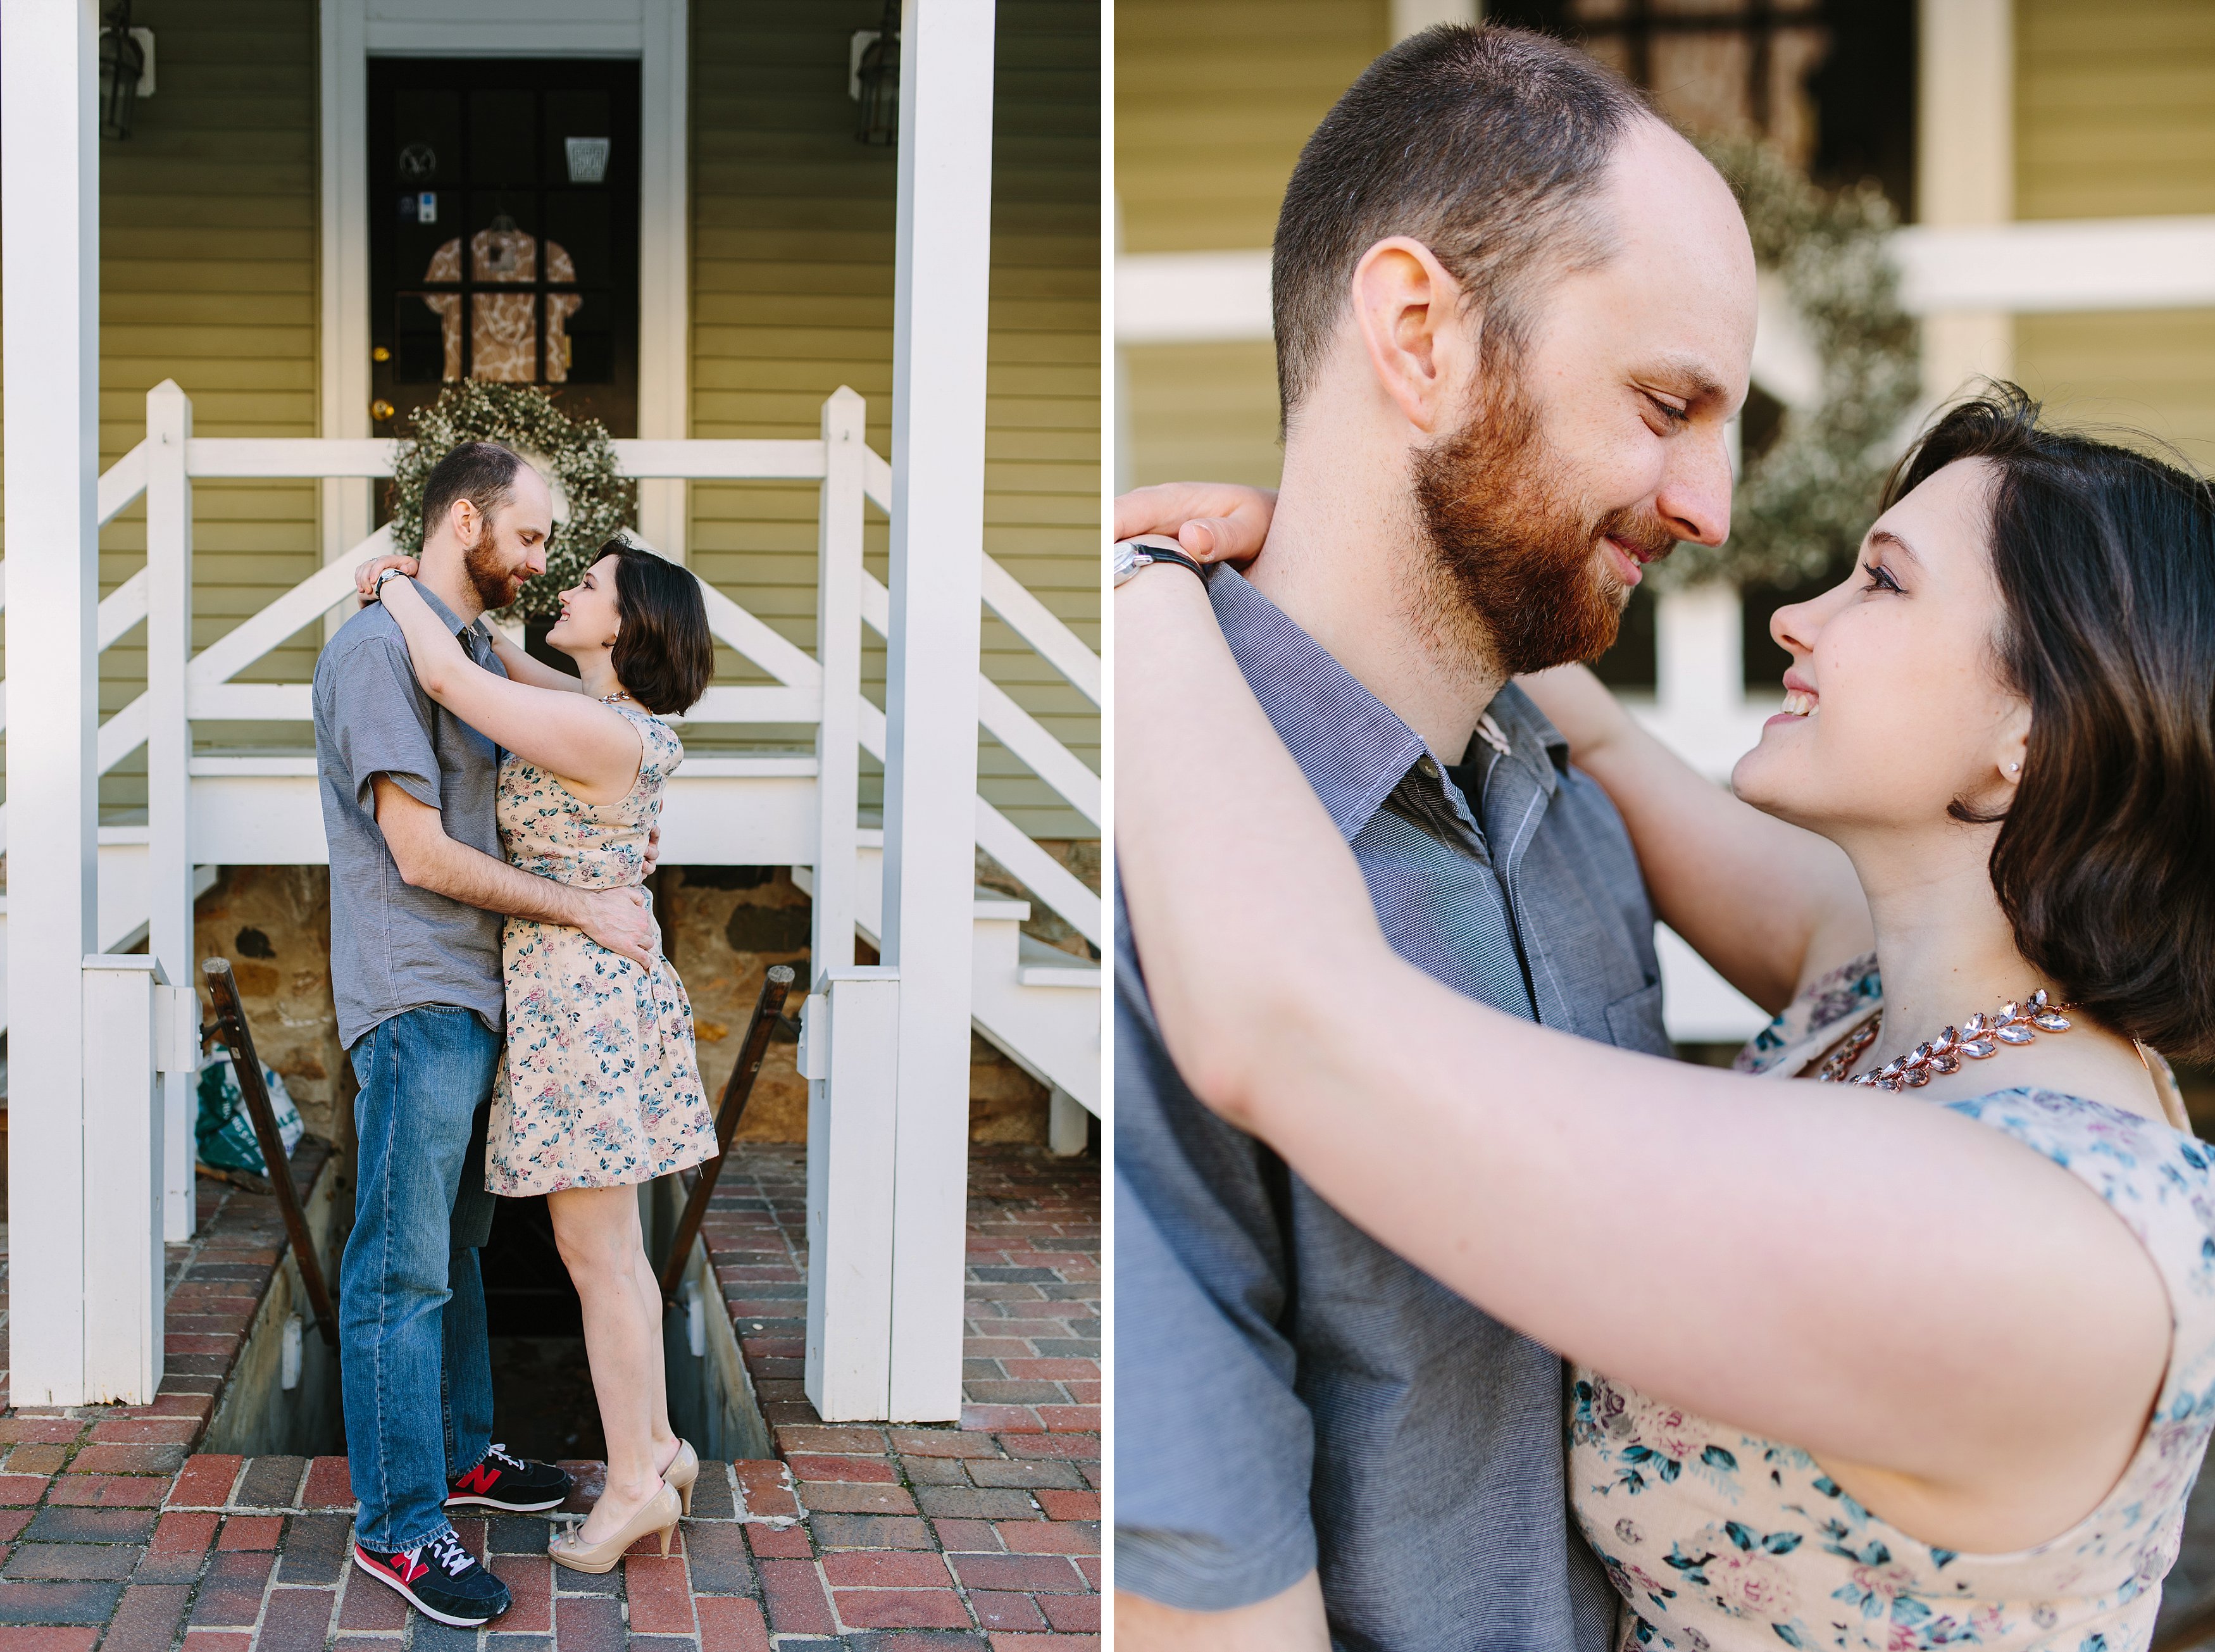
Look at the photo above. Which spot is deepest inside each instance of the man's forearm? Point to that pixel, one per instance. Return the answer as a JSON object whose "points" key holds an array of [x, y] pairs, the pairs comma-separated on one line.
{"points": [[476, 879], [1290, 1621]]}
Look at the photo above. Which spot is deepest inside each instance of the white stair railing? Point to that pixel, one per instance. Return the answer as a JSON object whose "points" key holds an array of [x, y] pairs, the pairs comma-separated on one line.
{"points": [[849, 597]]}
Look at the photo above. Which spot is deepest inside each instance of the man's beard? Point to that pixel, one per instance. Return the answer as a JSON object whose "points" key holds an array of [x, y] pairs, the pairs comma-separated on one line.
{"points": [[496, 586], [1516, 552]]}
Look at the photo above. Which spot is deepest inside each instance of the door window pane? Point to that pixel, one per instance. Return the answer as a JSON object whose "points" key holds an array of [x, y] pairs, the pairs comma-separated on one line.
{"points": [[503, 137], [572, 113], [588, 337], [503, 337], [577, 222], [426, 138], [502, 252], [427, 337], [420, 238]]}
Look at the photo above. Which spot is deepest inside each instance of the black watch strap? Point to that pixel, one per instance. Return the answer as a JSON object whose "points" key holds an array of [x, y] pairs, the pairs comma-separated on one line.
{"points": [[1163, 554]]}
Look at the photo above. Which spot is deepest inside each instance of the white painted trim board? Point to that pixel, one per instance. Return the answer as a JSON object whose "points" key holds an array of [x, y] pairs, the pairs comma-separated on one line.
{"points": [[655, 31]]}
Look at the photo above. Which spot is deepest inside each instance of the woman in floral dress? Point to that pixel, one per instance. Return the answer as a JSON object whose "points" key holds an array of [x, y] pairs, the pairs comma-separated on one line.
{"points": [[600, 1087], [1921, 1357]]}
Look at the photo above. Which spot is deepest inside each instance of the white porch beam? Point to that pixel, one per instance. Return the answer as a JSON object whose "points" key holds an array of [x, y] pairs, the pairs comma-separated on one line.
{"points": [[169, 576], [1965, 169], [343, 335], [50, 317], [941, 276], [665, 264], [838, 578], [1414, 16], [2033, 266]]}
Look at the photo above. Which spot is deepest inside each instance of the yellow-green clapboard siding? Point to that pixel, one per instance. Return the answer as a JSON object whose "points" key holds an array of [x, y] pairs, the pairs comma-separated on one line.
{"points": [[1213, 99], [209, 229], [792, 283], [208, 276], [2115, 117]]}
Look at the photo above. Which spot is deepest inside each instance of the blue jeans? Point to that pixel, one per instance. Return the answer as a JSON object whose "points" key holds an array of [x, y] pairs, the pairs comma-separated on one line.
{"points": [[414, 1366]]}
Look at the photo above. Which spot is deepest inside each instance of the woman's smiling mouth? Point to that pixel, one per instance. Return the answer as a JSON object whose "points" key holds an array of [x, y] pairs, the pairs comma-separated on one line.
{"points": [[1801, 701]]}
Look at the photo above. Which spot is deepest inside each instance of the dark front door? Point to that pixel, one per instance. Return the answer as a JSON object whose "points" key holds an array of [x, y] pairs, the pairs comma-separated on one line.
{"points": [[503, 226]]}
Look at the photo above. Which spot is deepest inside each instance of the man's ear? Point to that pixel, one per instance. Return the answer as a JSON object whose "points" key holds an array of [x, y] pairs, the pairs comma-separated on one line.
{"points": [[1420, 342], [466, 520]]}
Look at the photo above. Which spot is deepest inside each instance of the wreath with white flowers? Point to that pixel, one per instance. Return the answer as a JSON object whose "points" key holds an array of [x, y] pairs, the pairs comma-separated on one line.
{"points": [[593, 501], [1801, 507]]}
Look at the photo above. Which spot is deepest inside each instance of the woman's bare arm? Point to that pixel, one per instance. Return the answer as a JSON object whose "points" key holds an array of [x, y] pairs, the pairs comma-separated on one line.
{"points": [[517, 662], [593, 748], [1772, 907], [1874, 1277], [522, 667]]}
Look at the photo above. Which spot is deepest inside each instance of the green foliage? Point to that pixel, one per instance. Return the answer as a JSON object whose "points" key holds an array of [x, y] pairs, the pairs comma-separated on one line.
{"points": [[1801, 507], [593, 501]]}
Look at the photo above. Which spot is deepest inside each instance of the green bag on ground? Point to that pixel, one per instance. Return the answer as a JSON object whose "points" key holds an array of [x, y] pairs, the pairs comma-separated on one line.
{"points": [[225, 1129]]}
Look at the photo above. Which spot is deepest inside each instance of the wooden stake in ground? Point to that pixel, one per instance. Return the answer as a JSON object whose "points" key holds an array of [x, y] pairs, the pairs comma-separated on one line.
{"points": [[767, 1009], [231, 1014]]}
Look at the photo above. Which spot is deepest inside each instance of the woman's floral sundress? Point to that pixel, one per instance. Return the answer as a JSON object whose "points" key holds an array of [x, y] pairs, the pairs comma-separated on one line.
{"points": [[1720, 1539], [600, 1085]]}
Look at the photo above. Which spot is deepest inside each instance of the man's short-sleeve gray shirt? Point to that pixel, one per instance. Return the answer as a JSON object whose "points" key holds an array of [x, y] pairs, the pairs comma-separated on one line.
{"points": [[1290, 1394], [394, 947]]}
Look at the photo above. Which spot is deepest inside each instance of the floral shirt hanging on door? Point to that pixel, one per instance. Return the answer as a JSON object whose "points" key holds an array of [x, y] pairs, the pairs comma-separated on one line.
{"points": [[504, 325]]}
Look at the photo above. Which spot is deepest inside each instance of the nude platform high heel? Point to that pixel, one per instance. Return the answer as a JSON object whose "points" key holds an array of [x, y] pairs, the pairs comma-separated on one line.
{"points": [[684, 1469], [658, 1515]]}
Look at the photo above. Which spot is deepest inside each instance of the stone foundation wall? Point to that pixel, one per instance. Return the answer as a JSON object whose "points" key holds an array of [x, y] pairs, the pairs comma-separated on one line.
{"points": [[722, 926]]}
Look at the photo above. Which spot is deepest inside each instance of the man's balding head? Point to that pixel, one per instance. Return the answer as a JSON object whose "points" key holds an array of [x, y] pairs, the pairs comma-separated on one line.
{"points": [[1491, 146]]}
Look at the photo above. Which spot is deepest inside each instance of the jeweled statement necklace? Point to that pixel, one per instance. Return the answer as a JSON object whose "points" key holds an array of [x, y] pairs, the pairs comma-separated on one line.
{"points": [[1977, 1039]]}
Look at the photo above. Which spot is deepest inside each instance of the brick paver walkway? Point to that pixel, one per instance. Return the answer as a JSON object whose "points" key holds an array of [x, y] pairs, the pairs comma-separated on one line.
{"points": [[984, 1536]]}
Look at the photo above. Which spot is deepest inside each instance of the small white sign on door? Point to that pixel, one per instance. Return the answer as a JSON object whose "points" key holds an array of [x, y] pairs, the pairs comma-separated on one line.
{"points": [[588, 159]]}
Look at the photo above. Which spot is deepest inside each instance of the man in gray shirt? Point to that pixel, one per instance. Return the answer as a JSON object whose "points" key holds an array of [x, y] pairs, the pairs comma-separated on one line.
{"points": [[418, 890], [1513, 313]]}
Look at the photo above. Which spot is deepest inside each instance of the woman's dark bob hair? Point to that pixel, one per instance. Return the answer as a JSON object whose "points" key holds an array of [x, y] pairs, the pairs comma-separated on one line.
{"points": [[664, 652], [2105, 560]]}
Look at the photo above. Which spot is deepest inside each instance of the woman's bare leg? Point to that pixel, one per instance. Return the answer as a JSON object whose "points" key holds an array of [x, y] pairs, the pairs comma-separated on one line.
{"points": [[664, 1439], [596, 1230]]}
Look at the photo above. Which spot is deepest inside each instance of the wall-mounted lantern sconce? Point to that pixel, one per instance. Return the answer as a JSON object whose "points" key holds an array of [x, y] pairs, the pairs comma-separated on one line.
{"points": [[127, 69], [873, 79]]}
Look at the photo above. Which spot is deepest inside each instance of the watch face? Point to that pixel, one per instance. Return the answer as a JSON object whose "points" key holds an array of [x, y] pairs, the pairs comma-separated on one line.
{"points": [[1131, 555]]}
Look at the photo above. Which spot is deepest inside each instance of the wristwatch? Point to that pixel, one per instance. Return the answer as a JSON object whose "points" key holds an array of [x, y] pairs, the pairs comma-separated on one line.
{"points": [[1131, 555], [383, 575]]}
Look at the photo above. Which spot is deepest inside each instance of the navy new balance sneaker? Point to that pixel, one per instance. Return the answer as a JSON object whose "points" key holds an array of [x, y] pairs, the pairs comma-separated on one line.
{"points": [[440, 1579], [509, 1484]]}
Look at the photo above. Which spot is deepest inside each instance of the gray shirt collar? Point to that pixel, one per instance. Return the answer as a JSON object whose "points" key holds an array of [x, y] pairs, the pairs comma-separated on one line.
{"points": [[468, 632], [1352, 748]]}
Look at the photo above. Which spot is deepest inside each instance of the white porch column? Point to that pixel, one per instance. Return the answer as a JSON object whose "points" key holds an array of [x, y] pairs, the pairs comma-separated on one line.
{"points": [[169, 756], [129, 1014], [50, 314], [943, 267], [345, 502], [665, 265], [1965, 168], [838, 651], [850, 1038]]}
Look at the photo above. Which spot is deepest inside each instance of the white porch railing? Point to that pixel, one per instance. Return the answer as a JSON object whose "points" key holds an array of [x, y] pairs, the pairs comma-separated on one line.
{"points": [[259, 806], [203, 684]]}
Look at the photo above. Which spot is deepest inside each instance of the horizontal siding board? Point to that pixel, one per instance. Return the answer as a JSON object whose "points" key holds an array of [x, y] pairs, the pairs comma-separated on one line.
{"points": [[1214, 99], [209, 235], [2115, 116], [2116, 108], [793, 253], [208, 239]]}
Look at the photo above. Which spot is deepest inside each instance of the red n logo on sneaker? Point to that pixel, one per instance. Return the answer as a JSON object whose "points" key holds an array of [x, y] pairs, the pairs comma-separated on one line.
{"points": [[479, 1480]]}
